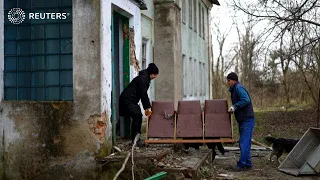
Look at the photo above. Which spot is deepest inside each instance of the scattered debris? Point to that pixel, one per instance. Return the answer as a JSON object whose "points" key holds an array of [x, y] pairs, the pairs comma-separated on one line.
{"points": [[225, 157], [227, 176], [161, 164], [181, 165], [258, 143], [117, 148], [253, 147]]}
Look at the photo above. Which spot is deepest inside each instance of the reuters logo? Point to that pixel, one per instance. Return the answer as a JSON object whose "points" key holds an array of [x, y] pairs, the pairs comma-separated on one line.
{"points": [[16, 15]]}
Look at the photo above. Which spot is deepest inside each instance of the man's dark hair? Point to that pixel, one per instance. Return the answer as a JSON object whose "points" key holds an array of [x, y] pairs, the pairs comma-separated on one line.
{"points": [[153, 69], [232, 76]]}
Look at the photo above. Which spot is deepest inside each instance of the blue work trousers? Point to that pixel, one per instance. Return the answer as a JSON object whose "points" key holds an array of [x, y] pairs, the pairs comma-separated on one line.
{"points": [[245, 130]]}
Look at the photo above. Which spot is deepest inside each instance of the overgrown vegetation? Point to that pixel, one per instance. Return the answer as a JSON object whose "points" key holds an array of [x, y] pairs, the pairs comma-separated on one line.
{"points": [[280, 123], [277, 53]]}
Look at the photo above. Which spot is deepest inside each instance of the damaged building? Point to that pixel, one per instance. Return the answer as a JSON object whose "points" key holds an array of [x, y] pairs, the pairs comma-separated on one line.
{"points": [[183, 49], [61, 77]]}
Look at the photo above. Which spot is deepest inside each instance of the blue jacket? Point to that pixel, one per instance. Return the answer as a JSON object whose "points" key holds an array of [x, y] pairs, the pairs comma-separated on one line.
{"points": [[242, 102]]}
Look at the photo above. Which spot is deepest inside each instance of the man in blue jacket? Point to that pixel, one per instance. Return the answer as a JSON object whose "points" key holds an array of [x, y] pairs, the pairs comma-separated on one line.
{"points": [[244, 114]]}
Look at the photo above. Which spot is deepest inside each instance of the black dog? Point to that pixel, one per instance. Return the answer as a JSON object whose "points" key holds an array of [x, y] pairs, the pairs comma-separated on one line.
{"points": [[194, 145], [210, 146], [213, 147], [280, 145]]}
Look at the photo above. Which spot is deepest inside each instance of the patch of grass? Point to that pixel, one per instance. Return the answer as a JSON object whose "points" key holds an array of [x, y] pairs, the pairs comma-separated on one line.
{"points": [[291, 124], [282, 107]]}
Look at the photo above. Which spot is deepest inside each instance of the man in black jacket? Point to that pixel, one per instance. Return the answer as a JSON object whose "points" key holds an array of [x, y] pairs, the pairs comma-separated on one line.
{"points": [[131, 95]]}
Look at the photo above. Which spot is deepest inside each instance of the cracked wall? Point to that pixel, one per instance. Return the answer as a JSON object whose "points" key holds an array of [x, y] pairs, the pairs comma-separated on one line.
{"points": [[167, 53], [60, 140]]}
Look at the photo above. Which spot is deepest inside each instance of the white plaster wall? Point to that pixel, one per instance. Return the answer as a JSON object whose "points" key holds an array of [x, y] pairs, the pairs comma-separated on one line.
{"points": [[147, 32], [133, 13]]}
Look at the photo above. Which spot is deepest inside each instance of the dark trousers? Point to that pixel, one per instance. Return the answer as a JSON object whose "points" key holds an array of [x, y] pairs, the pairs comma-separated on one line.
{"points": [[136, 122]]}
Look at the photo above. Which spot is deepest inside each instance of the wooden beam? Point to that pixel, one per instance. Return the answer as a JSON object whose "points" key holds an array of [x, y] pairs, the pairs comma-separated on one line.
{"points": [[147, 126], [175, 141], [175, 125], [203, 127]]}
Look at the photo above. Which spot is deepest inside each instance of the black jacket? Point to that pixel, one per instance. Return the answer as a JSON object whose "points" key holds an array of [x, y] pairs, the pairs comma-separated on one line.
{"points": [[131, 95]]}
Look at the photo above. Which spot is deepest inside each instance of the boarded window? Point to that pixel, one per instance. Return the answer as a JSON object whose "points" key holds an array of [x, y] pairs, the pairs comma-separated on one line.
{"points": [[38, 53], [185, 75], [195, 78], [200, 21], [203, 30], [204, 82], [184, 11], [190, 14], [200, 84], [190, 85], [195, 15], [144, 54]]}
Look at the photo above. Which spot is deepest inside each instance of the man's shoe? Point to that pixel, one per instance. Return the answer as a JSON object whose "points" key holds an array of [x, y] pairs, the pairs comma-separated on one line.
{"points": [[238, 168], [248, 167]]}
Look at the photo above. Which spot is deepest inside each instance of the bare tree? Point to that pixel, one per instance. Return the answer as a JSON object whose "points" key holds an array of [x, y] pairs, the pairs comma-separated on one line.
{"points": [[246, 48], [220, 66], [294, 27], [284, 15], [307, 62], [285, 60], [281, 61]]}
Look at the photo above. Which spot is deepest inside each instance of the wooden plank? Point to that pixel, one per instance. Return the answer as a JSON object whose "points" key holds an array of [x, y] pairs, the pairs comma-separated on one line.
{"points": [[175, 125], [204, 158], [258, 143], [203, 131], [137, 156], [174, 141], [231, 124], [147, 126], [192, 170]]}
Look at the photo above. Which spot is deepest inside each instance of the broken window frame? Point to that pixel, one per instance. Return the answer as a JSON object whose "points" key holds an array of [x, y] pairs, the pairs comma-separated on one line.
{"points": [[190, 14]]}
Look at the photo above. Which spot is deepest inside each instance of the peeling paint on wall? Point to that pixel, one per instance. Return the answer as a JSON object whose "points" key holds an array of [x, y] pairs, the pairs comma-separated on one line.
{"points": [[98, 126], [32, 134], [131, 11], [50, 140], [133, 58]]}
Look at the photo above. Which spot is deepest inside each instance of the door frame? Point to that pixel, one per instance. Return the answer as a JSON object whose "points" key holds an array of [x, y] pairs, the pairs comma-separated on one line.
{"points": [[124, 33]]}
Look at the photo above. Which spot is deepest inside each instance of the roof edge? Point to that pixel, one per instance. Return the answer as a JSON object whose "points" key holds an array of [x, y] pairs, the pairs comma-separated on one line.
{"points": [[216, 2], [142, 5]]}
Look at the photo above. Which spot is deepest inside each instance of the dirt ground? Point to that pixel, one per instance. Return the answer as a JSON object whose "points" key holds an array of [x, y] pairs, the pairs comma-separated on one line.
{"points": [[292, 124], [221, 168]]}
